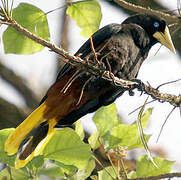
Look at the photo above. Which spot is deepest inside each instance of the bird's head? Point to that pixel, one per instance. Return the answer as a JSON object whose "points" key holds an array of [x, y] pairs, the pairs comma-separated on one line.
{"points": [[155, 27]]}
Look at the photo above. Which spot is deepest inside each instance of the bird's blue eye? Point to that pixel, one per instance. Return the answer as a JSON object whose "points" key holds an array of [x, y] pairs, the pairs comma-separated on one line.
{"points": [[156, 24]]}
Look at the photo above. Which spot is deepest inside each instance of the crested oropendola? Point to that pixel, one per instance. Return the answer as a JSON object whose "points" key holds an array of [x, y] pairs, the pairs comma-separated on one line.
{"points": [[121, 48]]}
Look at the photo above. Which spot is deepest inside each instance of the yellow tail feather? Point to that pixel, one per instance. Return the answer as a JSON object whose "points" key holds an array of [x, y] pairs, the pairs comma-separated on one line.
{"points": [[33, 120], [21, 163]]}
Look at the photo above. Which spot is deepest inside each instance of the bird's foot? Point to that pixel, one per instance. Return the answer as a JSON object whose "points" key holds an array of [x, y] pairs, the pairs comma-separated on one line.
{"points": [[131, 93], [140, 86]]}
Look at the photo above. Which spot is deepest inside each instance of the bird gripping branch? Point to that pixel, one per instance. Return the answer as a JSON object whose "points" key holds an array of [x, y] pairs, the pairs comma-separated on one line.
{"points": [[120, 49]]}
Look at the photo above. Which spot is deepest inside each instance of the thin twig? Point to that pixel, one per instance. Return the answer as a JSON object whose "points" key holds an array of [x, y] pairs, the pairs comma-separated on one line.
{"points": [[165, 123], [107, 154], [71, 80], [82, 90], [102, 166], [93, 49], [168, 83], [123, 167], [141, 107]]}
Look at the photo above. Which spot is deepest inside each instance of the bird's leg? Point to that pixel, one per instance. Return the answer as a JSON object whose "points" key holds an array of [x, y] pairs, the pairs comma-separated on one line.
{"points": [[140, 86], [131, 93], [82, 90], [71, 80]]}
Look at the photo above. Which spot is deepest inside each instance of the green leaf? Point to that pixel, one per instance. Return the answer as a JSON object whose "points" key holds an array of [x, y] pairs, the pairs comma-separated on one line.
{"points": [[145, 168], [107, 173], [58, 170], [87, 15], [52, 172], [31, 18], [126, 135], [106, 118], [79, 129], [36, 163], [4, 158], [132, 175], [83, 174], [93, 140], [67, 148], [15, 173]]}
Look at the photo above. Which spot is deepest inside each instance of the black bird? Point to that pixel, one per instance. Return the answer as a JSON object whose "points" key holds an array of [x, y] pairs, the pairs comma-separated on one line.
{"points": [[119, 48]]}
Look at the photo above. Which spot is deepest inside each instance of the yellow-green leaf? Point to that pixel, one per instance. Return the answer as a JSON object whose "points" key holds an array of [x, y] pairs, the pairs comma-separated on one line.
{"points": [[67, 148], [94, 140], [145, 168], [4, 158], [126, 135], [106, 118], [79, 129], [31, 18], [87, 15]]}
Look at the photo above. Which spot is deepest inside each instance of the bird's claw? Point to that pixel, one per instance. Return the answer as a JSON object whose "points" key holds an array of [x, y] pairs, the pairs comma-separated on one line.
{"points": [[131, 93], [140, 86]]}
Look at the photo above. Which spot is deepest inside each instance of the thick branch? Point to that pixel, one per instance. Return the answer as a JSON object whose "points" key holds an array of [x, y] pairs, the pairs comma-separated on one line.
{"points": [[138, 9], [161, 176], [95, 69], [10, 115], [18, 83]]}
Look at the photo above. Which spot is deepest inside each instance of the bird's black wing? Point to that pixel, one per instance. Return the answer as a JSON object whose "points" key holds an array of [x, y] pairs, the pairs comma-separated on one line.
{"points": [[98, 38]]}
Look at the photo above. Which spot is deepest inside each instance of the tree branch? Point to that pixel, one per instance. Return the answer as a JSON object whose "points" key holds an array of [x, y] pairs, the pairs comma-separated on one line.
{"points": [[94, 68], [138, 9], [18, 83], [10, 115], [161, 176]]}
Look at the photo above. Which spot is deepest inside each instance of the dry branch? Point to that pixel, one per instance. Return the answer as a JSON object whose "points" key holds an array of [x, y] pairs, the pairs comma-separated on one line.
{"points": [[138, 9], [18, 83], [161, 176]]}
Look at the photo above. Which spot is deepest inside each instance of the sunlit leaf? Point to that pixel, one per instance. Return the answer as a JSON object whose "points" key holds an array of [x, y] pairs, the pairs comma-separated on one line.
{"points": [[94, 140], [18, 174], [79, 129], [132, 174], [4, 158], [83, 174], [36, 163], [58, 169], [87, 15], [108, 173], [144, 167], [31, 18], [106, 118], [126, 135], [67, 148]]}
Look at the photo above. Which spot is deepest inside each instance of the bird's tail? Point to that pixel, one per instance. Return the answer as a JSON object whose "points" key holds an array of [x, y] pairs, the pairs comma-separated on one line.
{"points": [[30, 137]]}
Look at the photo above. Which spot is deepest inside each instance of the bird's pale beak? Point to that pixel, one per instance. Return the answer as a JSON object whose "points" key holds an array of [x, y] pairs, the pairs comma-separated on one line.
{"points": [[165, 39]]}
